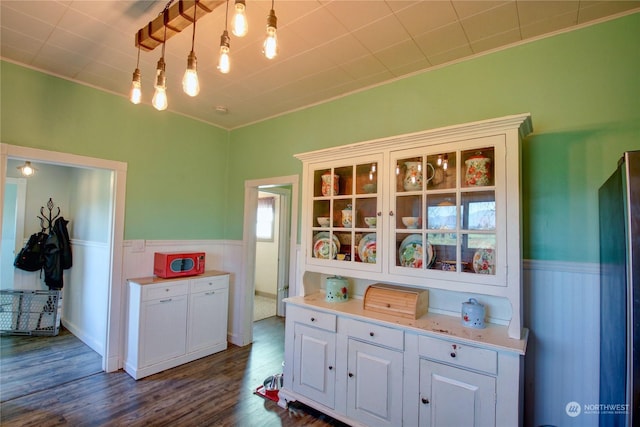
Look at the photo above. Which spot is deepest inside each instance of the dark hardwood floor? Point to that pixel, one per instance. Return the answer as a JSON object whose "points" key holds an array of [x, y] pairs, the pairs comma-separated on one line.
{"points": [[55, 381]]}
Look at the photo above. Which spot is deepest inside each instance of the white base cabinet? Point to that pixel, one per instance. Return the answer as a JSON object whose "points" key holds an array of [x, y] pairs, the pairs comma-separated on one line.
{"points": [[455, 397], [370, 370], [374, 388], [175, 321], [314, 360]]}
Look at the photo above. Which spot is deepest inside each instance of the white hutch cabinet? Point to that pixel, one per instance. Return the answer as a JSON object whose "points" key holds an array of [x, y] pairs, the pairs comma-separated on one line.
{"points": [[437, 210], [175, 321]]}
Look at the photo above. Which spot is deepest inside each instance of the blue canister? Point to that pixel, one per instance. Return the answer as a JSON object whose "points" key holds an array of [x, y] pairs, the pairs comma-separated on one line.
{"points": [[337, 289], [473, 314]]}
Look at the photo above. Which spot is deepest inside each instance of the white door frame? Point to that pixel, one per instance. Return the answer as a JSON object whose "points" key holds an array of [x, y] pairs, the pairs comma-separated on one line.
{"points": [[247, 288], [113, 352], [21, 185], [284, 244]]}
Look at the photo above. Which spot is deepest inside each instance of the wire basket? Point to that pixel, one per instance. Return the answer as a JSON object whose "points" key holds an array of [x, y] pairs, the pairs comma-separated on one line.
{"points": [[29, 312]]}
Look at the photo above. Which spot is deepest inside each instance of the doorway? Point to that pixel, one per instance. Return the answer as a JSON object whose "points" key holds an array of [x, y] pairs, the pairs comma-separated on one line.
{"points": [[287, 189], [271, 277], [110, 340]]}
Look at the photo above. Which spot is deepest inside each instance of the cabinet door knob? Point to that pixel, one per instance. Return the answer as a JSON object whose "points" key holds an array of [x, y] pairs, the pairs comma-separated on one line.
{"points": [[371, 334], [379, 214], [313, 319], [425, 400], [453, 354], [350, 375], [330, 368], [390, 213]]}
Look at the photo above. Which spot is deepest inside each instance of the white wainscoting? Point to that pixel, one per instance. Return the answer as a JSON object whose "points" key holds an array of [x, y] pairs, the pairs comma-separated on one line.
{"points": [[86, 293], [562, 311]]}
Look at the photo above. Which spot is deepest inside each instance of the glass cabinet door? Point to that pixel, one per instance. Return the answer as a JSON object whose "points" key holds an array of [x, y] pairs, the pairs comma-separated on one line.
{"points": [[346, 213], [444, 211]]}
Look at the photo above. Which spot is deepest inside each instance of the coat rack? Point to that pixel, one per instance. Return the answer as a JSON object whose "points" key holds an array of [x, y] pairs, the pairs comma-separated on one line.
{"points": [[48, 219]]}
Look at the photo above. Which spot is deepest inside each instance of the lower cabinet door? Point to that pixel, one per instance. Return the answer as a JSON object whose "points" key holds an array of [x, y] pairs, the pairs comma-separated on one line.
{"points": [[163, 327], [207, 319], [374, 384], [452, 396], [314, 358]]}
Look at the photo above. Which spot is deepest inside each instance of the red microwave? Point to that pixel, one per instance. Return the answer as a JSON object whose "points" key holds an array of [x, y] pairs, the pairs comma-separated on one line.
{"points": [[178, 264]]}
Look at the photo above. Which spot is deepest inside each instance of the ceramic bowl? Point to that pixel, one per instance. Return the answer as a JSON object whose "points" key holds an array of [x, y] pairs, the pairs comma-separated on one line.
{"points": [[324, 221], [370, 188], [370, 221], [411, 221]]}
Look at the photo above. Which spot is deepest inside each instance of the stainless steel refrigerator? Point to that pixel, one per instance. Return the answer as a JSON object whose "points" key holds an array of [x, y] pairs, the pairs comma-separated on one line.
{"points": [[619, 202]]}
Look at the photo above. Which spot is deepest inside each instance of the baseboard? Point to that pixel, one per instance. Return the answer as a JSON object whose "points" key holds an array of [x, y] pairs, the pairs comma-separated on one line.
{"points": [[265, 294], [95, 345]]}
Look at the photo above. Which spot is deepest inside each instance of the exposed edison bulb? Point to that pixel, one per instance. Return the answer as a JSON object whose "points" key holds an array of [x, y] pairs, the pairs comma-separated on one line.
{"points": [[240, 26], [224, 63], [439, 162], [373, 167], [271, 44], [160, 101], [190, 83], [270, 47], [136, 88], [397, 169]]}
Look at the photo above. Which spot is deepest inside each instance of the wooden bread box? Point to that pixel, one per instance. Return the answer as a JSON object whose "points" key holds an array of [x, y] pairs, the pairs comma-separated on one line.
{"points": [[400, 301]]}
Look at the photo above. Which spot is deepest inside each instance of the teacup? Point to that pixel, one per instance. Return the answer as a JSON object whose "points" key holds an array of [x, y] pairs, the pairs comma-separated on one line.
{"points": [[370, 221]]}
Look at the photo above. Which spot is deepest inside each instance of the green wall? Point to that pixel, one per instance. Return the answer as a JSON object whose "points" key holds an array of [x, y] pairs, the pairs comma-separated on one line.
{"points": [[582, 89], [172, 160], [186, 179]]}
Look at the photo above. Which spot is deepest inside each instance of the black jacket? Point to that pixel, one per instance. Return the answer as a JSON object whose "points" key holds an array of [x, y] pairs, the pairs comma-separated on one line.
{"points": [[57, 254]]}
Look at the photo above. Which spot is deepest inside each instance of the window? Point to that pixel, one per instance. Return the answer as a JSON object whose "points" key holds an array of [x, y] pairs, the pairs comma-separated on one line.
{"points": [[264, 226]]}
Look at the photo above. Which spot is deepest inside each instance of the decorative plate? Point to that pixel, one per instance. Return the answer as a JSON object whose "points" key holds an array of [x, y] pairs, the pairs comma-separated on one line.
{"points": [[367, 248], [411, 252], [325, 247], [484, 261]]}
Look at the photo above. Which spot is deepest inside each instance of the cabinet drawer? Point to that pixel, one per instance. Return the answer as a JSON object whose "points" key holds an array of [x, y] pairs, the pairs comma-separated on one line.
{"points": [[317, 319], [376, 334], [165, 290], [458, 354], [204, 284]]}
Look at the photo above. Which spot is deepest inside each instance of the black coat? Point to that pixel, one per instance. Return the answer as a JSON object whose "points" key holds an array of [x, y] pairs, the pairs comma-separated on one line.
{"points": [[57, 254]]}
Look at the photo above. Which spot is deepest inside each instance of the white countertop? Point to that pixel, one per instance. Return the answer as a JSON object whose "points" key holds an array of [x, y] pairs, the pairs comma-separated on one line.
{"points": [[437, 325], [155, 279]]}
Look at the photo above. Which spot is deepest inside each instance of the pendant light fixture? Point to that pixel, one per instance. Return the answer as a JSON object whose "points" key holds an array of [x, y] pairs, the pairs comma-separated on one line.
{"points": [[26, 169], [136, 84], [190, 83], [270, 47], [240, 27], [223, 61], [159, 100]]}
